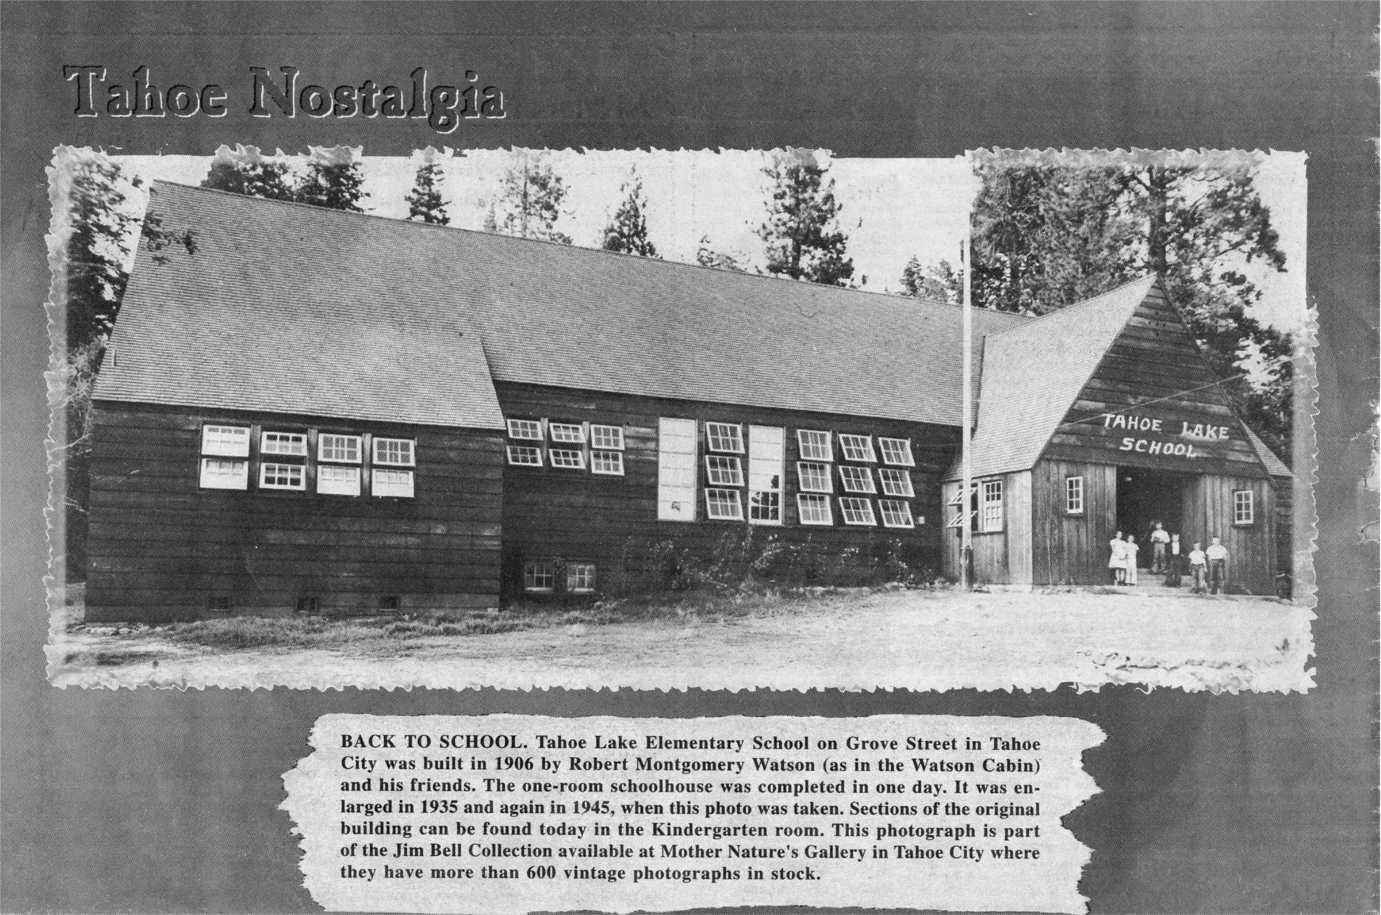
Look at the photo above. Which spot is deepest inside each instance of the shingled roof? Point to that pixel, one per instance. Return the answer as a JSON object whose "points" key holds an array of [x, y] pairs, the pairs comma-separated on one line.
{"points": [[285, 307]]}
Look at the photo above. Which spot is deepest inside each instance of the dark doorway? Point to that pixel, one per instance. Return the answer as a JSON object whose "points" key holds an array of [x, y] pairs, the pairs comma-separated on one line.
{"points": [[1145, 497]]}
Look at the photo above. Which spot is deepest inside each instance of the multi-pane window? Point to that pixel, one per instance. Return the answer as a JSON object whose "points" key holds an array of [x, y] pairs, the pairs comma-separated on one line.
{"points": [[990, 506], [285, 444], [1243, 507], [896, 482], [223, 473], [338, 481], [572, 433], [1074, 495], [566, 458], [856, 479], [857, 512], [814, 477], [580, 577], [525, 455], [895, 513], [815, 445], [676, 473], [606, 463], [394, 452], [896, 451], [857, 447], [341, 449], [394, 483], [539, 576], [814, 508], [525, 429], [723, 505], [724, 437], [273, 475], [766, 463], [606, 438], [723, 471], [225, 441]]}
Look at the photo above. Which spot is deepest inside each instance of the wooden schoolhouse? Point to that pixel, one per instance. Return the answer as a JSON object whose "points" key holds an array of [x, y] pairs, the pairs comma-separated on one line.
{"points": [[307, 410]]}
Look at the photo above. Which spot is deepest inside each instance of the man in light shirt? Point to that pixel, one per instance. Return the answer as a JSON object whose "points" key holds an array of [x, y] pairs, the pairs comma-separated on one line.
{"points": [[1198, 567], [1217, 555], [1159, 538]]}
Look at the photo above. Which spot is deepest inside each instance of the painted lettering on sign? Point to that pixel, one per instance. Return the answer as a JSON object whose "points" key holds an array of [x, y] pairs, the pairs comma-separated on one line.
{"points": [[1194, 432]]}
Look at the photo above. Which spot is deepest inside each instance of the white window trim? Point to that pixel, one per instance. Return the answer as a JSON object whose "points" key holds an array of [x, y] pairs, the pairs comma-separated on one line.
{"points": [[897, 507], [235, 443], [710, 505], [348, 489], [321, 439], [824, 472], [904, 444], [851, 441], [853, 486], [513, 450], [529, 570], [866, 503], [714, 430], [682, 494], [579, 458], [268, 447], [571, 567], [813, 451], [717, 465], [265, 467], [239, 482], [615, 456], [412, 451], [766, 461], [1070, 507], [517, 429], [374, 486], [1249, 502], [900, 486], [615, 432], [803, 497], [566, 433], [984, 501]]}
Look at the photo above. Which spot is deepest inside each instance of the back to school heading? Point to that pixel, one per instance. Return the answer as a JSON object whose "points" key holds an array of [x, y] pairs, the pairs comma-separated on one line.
{"points": [[444, 105]]}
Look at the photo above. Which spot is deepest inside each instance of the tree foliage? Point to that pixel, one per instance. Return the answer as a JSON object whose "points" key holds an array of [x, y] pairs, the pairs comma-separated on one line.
{"points": [[328, 179], [935, 283], [96, 248], [801, 234], [253, 176], [1047, 236], [707, 256], [334, 184], [424, 200], [530, 199], [627, 230]]}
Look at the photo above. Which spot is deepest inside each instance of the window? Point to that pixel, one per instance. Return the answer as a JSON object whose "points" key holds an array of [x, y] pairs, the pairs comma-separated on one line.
{"points": [[606, 438], [726, 437], [342, 449], [856, 511], [566, 458], [723, 471], [766, 462], [225, 441], [282, 476], [580, 577], [394, 452], [857, 447], [607, 463], [572, 433], [539, 576], [990, 515], [338, 481], [896, 451], [287, 444], [815, 445], [1074, 495], [723, 505], [896, 482], [1243, 507], [526, 429], [218, 473], [525, 455], [856, 479], [676, 476], [895, 513], [814, 509], [814, 477], [395, 483]]}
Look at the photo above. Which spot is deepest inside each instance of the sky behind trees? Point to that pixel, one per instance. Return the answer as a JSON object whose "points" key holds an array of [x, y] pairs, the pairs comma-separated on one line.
{"points": [[893, 209]]}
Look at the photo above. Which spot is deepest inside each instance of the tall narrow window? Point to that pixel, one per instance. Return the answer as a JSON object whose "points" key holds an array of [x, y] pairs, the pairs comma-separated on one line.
{"points": [[815, 445], [1074, 495], [857, 448], [896, 451], [896, 482], [676, 475], [857, 512], [1243, 506], [990, 507], [814, 508], [766, 464], [724, 437]]}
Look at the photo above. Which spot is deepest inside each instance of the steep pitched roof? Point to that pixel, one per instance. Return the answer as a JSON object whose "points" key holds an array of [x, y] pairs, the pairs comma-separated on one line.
{"points": [[1274, 465], [1032, 373], [283, 298]]}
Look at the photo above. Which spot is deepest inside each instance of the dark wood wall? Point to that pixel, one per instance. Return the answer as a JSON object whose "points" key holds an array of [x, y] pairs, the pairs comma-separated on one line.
{"points": [[1072, 549], [999, 557], [161, 547], [1251, 548], [569, 515]]}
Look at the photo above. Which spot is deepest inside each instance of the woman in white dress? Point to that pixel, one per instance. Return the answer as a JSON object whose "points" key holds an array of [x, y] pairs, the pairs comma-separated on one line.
{"points": [[1130, 549]]}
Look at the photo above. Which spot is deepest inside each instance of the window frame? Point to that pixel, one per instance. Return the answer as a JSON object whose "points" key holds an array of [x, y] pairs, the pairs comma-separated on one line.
{"points": [[578, 453], [1237, 504], [530, 569], [848, 486], [279, 468], [849, 442], [802, 498], [510, 450], [322, 438], [403, 473], [714, 429], [238, 447], [1074, 494], [601, 429], [825, 472], [241, 484], [908, 459], [857, 501], [325, 470], [716, 464], [615, 456], [519, 424], [566, 433], [985, 502], [815, 451], [688, 476], [766, 449], [299, 438], [572, 569], [711, 492], [897, 506], [391, 440], [896, 475]]}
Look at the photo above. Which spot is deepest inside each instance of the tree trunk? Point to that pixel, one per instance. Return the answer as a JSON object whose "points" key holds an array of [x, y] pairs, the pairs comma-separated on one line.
{"points": [[1157, 184]]}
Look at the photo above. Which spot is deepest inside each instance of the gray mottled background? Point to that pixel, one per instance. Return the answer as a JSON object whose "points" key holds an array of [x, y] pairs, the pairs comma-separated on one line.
{"points": [[166, 801]]}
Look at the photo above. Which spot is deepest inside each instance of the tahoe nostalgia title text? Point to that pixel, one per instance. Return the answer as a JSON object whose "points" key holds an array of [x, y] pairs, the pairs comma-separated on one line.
{"points": [[444, 105]]}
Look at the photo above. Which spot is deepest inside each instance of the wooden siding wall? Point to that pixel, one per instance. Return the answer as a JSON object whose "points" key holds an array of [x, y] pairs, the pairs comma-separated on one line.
{"points": [[160, 546], [1251, 548], [570, 515], [1072, 549], [1001, 557]]}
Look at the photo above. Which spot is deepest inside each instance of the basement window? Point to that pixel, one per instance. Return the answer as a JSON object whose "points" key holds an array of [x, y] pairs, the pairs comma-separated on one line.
{"points": [[282, 476], [580, 577], [309, 604], [606, 463], [856, 479], [566, 458], [896, 513], [896, 451], [814, 509], [606, 438], [338, 481], [724, 437], [529, 429], [815, 445], [857, 512], [391, 483], [723, 471], [1243, 507], [571, 433], [539, 576], [388, 603], [896, 482], [284, 444], [723, 505], [525, 456], [218, 604], [395, 452], [857, 448], [340, 449]]}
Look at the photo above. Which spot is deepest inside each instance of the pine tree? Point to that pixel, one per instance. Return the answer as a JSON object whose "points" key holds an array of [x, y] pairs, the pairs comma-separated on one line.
{"points": [[801, 232], [627, 231], [244, 171], [934, 283], [424, 201], [707, 256], [332, 181], [530, 201]]}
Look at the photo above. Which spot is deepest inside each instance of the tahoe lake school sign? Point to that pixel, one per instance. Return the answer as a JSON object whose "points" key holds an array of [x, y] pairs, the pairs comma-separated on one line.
{"points": [[1173, 437]]}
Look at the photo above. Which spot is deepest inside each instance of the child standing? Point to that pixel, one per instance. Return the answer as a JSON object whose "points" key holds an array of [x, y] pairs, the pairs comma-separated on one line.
{"points": [[1198, 567], [1131, 551], [1217, 555], [1159, 541], [1172, 563], [1117, 559]]}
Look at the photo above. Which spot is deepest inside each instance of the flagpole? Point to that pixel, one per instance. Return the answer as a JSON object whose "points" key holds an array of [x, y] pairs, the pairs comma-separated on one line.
{"points": [[966, 458]]}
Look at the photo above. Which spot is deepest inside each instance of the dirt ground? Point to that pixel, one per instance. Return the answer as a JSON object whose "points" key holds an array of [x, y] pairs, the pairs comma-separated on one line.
{"points": [[860, 639]]}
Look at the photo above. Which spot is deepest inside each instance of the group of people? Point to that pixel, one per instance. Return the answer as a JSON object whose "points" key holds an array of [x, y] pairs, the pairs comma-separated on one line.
{"points": [[1207, 568]]}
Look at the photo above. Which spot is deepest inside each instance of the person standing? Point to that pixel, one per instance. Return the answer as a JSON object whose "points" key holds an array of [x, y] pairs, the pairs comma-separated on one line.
{"points": [[1198, 568], [1131, 550], [1159, 540], [1117, 558], [1173, 569], [1217, 555]]}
